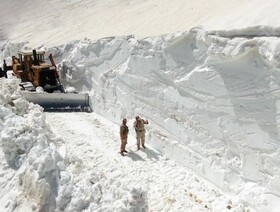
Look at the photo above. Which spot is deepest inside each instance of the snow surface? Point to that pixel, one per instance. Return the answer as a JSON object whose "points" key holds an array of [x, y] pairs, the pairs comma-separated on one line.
{"points": [[211, 95], [55, 22]]}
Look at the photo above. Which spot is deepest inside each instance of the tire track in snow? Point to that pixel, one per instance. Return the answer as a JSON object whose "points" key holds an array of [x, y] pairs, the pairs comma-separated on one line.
{"points": [[92, 146]]}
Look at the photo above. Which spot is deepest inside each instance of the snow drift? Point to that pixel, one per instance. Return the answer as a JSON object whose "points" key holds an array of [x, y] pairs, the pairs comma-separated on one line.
{"points": [[24, 141]]}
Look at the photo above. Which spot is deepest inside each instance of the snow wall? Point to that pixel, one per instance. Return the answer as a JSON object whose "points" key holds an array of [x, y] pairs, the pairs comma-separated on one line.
{"points": [[213, 102], [212, 99]]}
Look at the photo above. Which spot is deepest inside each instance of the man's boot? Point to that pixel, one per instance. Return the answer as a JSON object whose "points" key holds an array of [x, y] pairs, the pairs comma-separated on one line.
{"points": [[138, 147], [143, 145], [122, 153]]}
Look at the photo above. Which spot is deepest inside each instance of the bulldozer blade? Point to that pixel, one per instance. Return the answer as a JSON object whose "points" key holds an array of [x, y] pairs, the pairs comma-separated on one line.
{"points": [[60, 101]]}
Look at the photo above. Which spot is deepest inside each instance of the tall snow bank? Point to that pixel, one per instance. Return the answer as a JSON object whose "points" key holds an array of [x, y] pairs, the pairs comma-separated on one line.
{"points": [[30, 175], [213, 102]]}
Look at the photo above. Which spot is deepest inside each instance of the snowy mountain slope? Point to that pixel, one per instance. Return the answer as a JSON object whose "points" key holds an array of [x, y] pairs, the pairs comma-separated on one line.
{"points": [[54, 22]]}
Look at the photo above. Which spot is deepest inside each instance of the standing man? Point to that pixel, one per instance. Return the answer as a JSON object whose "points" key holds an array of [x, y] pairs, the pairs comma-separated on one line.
{"points": [[123, 133], [140, 131]]}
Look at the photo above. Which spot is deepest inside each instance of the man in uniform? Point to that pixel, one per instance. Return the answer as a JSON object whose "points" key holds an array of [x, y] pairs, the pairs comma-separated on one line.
{"points": [[140, 131], [123, 133]]}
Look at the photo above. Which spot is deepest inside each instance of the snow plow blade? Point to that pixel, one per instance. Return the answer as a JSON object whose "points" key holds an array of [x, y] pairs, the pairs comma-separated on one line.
{"points": [[60, 101]]}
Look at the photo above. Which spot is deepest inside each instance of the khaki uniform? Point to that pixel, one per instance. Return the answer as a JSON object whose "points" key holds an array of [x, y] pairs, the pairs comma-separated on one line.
{"points": [[123, 134], [140, 132]]}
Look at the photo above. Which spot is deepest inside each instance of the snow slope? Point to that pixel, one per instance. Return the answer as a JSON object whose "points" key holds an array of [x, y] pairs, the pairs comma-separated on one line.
{"points": [[54, 22], [211, 95]]}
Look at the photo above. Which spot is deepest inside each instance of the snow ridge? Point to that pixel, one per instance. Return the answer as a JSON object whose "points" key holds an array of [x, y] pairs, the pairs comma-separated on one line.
{"points": [[248, 32]]}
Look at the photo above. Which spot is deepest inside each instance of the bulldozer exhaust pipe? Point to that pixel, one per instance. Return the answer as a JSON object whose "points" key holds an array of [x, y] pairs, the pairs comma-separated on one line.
{"points": [[36, 61]]}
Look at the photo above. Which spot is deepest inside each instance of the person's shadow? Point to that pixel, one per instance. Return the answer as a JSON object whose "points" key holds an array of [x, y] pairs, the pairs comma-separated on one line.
{"points": [[151, 154], [134, 156]]}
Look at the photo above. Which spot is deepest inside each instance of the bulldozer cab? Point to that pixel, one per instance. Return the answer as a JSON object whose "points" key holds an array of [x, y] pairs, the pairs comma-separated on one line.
{"points": [[26, 59]]}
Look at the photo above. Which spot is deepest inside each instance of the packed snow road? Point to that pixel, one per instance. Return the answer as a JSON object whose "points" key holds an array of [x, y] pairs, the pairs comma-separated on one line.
{"points": [[140, 181]]}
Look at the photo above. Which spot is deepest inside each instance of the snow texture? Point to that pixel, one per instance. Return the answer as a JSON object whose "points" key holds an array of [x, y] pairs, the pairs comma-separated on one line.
{"points": [[211, 95]]}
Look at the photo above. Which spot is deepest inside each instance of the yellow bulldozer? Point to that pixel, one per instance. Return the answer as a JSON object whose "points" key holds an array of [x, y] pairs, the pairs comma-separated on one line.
{"points": [[40, 82]]}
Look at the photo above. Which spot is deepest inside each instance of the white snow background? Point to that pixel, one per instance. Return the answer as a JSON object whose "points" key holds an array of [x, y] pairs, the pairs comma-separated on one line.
{"points": [[206, 76]]}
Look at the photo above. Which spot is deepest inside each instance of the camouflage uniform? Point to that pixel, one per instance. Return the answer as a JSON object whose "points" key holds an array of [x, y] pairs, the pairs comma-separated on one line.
{"points": [[123, 134], [140, 131]]}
